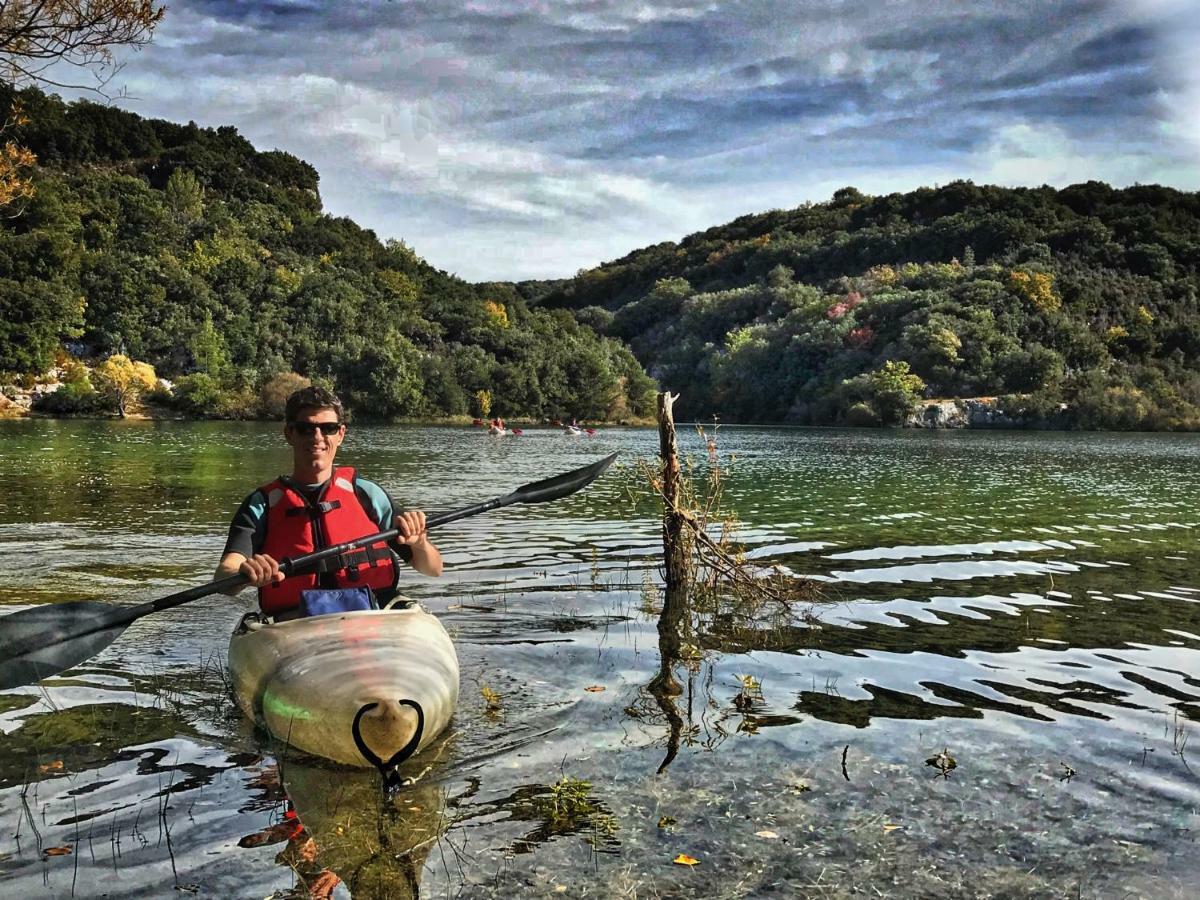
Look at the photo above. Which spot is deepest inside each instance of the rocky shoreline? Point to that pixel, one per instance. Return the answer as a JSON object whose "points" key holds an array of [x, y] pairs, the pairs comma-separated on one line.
{"points": [[977, 412]]}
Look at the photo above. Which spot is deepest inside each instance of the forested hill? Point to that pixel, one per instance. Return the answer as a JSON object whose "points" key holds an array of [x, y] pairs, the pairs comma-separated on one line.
{"points": [[1085, 296], [186, 248]]}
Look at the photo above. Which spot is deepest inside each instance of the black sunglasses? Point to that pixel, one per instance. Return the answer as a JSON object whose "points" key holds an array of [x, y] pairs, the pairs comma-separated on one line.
{"points": [[307, 429]]}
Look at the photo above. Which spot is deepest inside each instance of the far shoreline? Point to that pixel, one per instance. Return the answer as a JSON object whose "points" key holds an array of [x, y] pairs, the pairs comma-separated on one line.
{"points": [[918, 421]]}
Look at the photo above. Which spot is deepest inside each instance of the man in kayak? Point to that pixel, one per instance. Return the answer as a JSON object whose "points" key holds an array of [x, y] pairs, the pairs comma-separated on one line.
{"points": [[321, 505]]}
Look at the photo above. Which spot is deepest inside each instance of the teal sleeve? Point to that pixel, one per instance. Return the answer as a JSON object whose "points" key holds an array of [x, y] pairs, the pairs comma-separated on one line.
{"points": [[378, 504], [248, 527]]}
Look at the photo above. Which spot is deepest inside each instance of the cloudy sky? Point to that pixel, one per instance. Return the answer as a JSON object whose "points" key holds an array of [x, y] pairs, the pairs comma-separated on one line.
{"points": [[509, 140]]}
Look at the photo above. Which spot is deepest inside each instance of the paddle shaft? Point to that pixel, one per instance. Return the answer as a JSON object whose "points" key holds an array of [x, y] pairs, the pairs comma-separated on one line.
{"points": [[297, 565]]}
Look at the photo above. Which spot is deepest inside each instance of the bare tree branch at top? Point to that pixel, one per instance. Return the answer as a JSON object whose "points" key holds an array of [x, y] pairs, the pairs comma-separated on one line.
{"points": [[36, 34]]}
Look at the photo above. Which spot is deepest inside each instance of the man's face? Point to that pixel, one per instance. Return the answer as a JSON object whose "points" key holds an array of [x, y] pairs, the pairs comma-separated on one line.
{"points": [[315, 436]]}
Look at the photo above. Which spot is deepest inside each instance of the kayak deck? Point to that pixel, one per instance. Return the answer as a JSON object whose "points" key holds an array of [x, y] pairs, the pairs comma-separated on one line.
{"points": [[360, 688]]}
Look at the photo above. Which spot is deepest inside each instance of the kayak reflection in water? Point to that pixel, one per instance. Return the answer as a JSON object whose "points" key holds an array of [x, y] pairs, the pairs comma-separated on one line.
{"points": [[339, 828], [321, 505]]}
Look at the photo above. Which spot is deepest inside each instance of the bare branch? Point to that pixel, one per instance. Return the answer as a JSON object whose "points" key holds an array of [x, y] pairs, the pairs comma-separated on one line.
{"points": [[81, 33]]}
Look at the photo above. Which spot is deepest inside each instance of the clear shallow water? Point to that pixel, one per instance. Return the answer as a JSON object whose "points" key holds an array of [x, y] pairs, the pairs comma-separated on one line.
{"points": [[1027, 602]]}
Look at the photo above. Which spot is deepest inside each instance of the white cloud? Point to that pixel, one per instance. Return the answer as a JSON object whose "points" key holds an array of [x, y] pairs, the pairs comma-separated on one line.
{"points": [[1034, 154]]}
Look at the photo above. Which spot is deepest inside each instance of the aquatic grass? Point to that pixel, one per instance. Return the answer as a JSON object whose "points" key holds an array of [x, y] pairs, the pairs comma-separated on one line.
{"points": [[1179, 737], [702, 554]]}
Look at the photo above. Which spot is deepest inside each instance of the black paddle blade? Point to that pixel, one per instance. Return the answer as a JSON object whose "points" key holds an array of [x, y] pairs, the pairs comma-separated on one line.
{"points": [[42, 641], [538, 492], [561, 485]]}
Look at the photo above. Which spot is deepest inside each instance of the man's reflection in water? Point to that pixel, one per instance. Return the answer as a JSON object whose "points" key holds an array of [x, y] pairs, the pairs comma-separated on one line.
{"points": [[339, 827]]}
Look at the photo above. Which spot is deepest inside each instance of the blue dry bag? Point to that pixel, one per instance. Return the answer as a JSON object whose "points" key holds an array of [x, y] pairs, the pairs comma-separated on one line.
{"points": [[322, 602]]}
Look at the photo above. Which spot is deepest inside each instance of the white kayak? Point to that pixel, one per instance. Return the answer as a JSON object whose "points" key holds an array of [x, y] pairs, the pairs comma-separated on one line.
{"points": [[494, 430], [363, 688]]}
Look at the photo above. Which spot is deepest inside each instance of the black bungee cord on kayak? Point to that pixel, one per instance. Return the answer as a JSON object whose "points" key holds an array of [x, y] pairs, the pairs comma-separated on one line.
{"points": [[387, 768]]}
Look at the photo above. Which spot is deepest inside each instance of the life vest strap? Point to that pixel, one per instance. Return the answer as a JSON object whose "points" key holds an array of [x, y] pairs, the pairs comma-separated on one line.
{"points": [[316, 508], [351, 559]]}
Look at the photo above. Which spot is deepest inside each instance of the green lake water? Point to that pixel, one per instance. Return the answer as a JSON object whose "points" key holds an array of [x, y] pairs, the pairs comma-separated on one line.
{"points": [[1026, 603]]}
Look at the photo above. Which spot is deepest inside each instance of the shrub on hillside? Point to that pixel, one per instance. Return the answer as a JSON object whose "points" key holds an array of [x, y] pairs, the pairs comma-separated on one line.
{"points": [[1042, 407], [71, 398], [204, 396], [272, 396], [861, 415], [891, 393]]}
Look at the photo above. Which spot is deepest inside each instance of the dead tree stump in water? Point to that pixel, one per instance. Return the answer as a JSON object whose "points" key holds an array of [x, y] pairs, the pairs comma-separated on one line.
{"points": [[675, 536], [676, 553]]}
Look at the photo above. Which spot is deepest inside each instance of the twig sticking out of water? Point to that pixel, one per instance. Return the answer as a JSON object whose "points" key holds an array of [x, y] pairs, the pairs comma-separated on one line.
{"points": [[1179, 736]]}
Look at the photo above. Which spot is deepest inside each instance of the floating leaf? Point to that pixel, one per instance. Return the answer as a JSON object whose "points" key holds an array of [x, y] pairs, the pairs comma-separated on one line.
{"points": [[891, 826], [666, 821], [51, 767], [684, 860], [490, 697], [770, 835], [57, 851], [594, 688]]}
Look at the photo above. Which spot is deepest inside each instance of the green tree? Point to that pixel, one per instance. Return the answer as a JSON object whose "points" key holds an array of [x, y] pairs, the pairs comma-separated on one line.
{"points": [[34, 317], [208, 348], [892, 391], [184, 196]]}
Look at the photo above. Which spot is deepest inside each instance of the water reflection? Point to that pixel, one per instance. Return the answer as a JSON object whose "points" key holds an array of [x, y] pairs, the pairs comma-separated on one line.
{"points": [[338, 827]]}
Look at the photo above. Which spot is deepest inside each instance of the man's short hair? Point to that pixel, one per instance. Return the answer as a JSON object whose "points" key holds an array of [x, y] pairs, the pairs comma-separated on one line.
{"points": [[314, 398]]}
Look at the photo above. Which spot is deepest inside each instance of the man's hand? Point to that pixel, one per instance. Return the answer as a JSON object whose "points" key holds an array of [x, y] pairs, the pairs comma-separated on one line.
{"points": [[425, 557], [260, 570], [412, 527]]}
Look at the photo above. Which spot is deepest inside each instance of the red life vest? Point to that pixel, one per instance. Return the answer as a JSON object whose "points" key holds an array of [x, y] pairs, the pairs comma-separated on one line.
{"points": [[295, 525]]}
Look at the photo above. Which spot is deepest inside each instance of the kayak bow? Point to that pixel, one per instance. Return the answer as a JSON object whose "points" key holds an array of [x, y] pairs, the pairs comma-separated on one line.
{"points": [[366, 688]]}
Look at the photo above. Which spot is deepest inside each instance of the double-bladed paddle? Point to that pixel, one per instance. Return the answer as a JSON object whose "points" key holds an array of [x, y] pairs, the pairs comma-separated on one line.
{"points": [[42, 641]]}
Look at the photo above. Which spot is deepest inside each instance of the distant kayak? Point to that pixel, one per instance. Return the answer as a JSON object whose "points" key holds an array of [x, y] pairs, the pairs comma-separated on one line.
{"points": [[383, 681]]}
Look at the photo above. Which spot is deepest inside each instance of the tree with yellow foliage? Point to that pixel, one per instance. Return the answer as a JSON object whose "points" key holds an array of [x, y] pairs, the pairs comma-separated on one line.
{"points": [[121, 381], [15, 163], [496, 313], [483, 403], [1037, 288]]}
